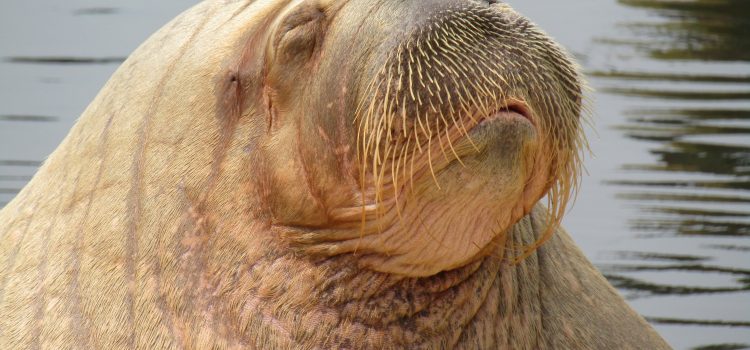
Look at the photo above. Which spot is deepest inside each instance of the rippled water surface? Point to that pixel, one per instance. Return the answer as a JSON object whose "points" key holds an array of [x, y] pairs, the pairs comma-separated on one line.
{"points": [[664, 210]]}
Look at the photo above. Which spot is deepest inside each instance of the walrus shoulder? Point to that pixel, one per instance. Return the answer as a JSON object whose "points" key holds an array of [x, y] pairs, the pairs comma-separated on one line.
{"points": [[579, 308]]}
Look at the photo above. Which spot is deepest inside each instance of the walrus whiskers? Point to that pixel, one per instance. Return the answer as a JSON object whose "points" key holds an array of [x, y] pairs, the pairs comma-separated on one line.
{"points": [[444, 46]]}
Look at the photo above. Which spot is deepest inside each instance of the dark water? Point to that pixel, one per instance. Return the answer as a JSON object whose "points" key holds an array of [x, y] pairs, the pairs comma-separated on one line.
{"points": [[664, 210]]}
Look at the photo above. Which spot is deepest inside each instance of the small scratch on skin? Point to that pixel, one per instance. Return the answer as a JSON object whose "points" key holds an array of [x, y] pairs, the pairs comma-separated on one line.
{"points": [[77, 324], [240, 10]]}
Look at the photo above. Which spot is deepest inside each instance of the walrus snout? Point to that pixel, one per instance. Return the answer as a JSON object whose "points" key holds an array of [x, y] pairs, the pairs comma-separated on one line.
{"points": [[475, 107], [465, 60], [462, 62]]}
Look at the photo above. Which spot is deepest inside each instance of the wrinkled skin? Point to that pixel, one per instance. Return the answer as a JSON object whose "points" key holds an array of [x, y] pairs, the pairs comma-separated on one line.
{"points": [[240, 183]]}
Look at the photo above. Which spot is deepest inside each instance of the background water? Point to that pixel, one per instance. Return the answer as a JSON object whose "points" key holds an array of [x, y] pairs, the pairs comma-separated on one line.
{"points": [[664, 210]]}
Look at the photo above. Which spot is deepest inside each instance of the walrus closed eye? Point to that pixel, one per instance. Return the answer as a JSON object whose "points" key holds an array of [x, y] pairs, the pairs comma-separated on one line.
{"points": [[316, 174]]}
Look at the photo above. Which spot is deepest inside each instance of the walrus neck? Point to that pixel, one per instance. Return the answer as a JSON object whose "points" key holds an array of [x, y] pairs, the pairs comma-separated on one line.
{"points": [[276, 297], [333, 303]]}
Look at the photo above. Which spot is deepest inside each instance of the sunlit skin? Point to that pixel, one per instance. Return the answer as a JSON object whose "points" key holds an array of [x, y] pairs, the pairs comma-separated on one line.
{"points": [[311, 175]]}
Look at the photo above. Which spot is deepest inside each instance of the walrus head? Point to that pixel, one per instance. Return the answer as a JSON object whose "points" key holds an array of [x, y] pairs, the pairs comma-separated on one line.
{"points": [[419, 131], [407, 135]]}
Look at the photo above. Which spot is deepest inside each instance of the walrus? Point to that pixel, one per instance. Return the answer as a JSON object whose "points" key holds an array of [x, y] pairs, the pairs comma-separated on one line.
{"points": [[317, 174]]}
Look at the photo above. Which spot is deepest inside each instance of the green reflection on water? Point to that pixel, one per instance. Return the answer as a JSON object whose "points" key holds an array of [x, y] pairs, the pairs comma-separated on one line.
{"points": [[680, 95], [714, 30], [727, 346], [701, 158], [708, 30], [696, 182], [643, 76]]}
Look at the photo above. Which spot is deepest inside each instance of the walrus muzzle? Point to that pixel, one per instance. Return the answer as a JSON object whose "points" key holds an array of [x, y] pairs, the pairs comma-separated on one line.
{"points": [[461, 108]]}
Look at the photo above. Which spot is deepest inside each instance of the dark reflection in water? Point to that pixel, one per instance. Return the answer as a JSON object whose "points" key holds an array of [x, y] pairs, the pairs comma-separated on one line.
{"points": [[729, 247], [26, 163], [95, 11], [705, 30], [66, 60], [27, 118], [722, 347], [696, 123], [14, 178], [673, 262], [681, 95], [699, 29], [643, 76], [685, 198], [647, 288], [699, 322], [14, 174]]}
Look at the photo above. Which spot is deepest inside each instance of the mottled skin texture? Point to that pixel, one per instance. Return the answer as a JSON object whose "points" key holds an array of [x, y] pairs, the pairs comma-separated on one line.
{"points": [[211, 197]]}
